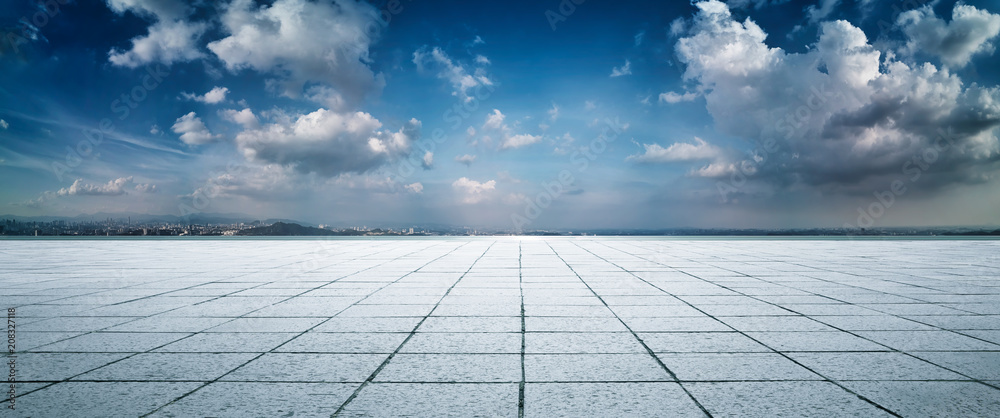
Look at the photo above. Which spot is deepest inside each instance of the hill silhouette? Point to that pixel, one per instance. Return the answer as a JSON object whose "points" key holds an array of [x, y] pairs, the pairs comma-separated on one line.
{"points": [[291, 229]]}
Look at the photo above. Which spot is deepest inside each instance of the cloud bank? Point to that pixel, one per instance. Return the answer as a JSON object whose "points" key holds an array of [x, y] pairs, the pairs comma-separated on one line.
{"points": [[843, 114]]}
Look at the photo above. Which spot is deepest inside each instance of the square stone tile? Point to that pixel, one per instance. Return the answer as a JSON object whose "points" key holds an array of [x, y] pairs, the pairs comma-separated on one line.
{"points": [[987, 335], [681, 324], [160, 323], [655, 311], [913, 309], [435, 399], [977, 365], [228, 342], [937, 399], [361, 324], [480, 368], [767, 399], [599, 311], [113, 342], [825, 309], [53, 367], [468, 343], [131, 309], [928, 340], [295, 367], [701, 342], [815, 341], [872, 366], [77, 324], [873, 323], [608, 399], [593, 368], [757, 309], [960, 322], [306, 307], [581, 343], [230, 399], [557, 324], [29, 340], [368, 311], [99, 399], [510, 309], [22, 389], [735, 367], [266, 325], [471, 324], [775, 323], [170, 366], [351, 342]]}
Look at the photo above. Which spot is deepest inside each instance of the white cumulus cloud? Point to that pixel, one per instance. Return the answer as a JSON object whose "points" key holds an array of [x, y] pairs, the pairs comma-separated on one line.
{"points": [[678, 151], [428, 160], [495, 121], [518, 141], [839, 113], [214, 96], [327, 142], [465, 159], [243, 117], [172, 38], [114, 187], [192, 130], [969, 33], [300, 42], [471, 191], [674, 98]]}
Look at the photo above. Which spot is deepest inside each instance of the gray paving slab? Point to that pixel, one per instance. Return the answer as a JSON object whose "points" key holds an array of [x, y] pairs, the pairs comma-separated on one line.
{"points": [[701, 342], [734, 367], [361, 324], [928, 340], [305, 367], [436, 399], [231, 399], [169, 367], [592, 368], [767, 399], [113, 342], [229, 342], [480, 368], [939, 399], [815, 341], [351, 342], [873, 366], [465, 342], [608, 399], [100, 399], [582, 343], [54, 367], [471, 324], [458, 327], [977, 365]]}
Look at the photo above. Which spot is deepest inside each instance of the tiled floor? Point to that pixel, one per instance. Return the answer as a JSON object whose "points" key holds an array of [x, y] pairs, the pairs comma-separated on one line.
{"points": [[504, 327]]}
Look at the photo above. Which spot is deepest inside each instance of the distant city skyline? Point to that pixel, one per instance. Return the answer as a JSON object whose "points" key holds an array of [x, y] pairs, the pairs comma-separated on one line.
{"points": [[559, 114]]}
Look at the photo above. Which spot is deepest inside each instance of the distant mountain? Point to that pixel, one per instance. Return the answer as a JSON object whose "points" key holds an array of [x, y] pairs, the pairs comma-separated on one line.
{"points": [[195, 218], [282, 229]]}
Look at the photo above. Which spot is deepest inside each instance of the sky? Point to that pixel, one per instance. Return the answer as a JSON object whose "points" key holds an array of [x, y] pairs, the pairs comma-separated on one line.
{"points": [[552, 114]]}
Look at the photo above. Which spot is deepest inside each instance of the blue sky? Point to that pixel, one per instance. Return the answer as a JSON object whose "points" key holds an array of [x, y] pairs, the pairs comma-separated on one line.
{"points": [[534, 114]]}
